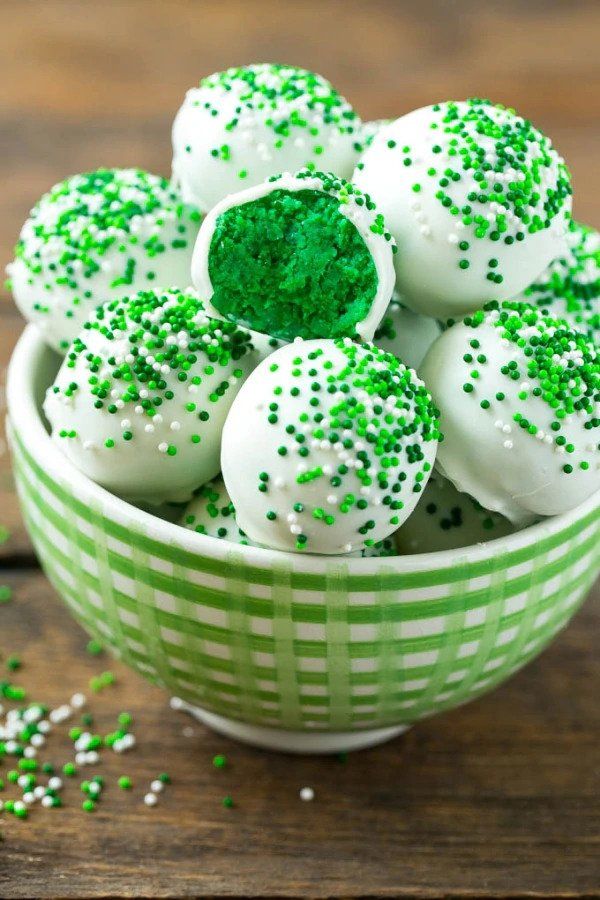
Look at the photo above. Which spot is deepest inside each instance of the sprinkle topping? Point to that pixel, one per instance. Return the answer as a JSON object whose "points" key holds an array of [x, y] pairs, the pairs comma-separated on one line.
{"points": [[162, 344], [570, 286], [75, 224], [281, 96], [560, 368], [498, 178]]}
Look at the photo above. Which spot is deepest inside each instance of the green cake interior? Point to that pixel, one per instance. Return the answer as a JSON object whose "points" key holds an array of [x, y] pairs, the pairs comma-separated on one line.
{"points": [[290, 264]]}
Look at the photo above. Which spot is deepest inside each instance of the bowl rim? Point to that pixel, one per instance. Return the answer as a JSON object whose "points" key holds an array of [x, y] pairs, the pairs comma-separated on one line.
{"points": [[25, 419]]}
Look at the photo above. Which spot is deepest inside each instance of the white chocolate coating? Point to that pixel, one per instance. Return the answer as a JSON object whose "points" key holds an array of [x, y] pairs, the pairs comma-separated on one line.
{"points": [[228, 134], [404, 171], [517, 472], [305, 470], [405, 333], [159, 443], [111, 235], [445, 519], [363, 219]]}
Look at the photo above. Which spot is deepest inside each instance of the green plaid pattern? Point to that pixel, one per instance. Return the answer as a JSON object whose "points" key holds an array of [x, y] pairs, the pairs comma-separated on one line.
{"points": [[328, 649]]}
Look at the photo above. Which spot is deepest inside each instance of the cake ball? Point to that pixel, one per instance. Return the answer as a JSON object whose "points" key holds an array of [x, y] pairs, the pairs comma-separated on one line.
{"points": [[445, 519], [211, 512], [139, 402], [518, 394], [303, 255], [245, 124], [96, 237], [477, 199], [327, 447], [405, 333], [570, 287]]}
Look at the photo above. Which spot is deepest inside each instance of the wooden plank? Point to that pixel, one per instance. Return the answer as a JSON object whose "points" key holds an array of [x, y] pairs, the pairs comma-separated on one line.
{"points": [[497, 799]]}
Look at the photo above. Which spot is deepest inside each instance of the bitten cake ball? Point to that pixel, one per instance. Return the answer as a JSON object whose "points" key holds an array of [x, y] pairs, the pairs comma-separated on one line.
{"points": [[244, 125], [406, 334], [140, 400], [445, 519], [327, 447], [476, 198], [96, 237], [570, 287], [518, 394], [211, 512], [303, 255]]}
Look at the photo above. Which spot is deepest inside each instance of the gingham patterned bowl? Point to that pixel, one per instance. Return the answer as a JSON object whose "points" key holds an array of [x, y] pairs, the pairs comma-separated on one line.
{"points": [[290, 651]]}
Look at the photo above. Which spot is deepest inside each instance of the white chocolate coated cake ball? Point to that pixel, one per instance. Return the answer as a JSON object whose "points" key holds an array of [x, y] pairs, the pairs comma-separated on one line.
{"points": [[243, 125], [405, 333], [445, 519], [477, 199], [328, 447], [96, 237], [211, 512], [305, 255], [139, 402], [570, 287], [518, 395]]}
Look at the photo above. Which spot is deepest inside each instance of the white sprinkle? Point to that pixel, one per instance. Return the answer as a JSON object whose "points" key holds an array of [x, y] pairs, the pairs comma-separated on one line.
{"points": [[307, 794], [150, 799], [157, 786], [55, 783], [78, 700]]}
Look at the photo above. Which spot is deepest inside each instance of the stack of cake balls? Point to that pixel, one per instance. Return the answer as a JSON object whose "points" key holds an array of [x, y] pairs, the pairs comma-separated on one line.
{"points": [[324, 335]]}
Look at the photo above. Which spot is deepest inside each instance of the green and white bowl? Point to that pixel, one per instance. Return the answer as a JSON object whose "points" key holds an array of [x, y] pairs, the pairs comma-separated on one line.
{"points": [[294, 652]]}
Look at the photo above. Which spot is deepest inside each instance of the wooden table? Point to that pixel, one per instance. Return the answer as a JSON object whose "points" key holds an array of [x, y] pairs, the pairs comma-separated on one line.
{"points": [[500, 798]]}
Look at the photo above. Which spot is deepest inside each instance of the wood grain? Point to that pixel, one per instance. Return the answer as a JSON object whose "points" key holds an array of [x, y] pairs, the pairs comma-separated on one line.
{"points": [[497, 799]]}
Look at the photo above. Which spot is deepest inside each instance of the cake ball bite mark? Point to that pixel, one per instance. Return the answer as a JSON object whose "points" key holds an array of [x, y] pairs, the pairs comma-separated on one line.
{"points": [[96, 237], [245, 124], [327, 447], [477, 199], [141, 397], [303, 255], [570, 287], [405, 333], [445, 519], [518, 394]]}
